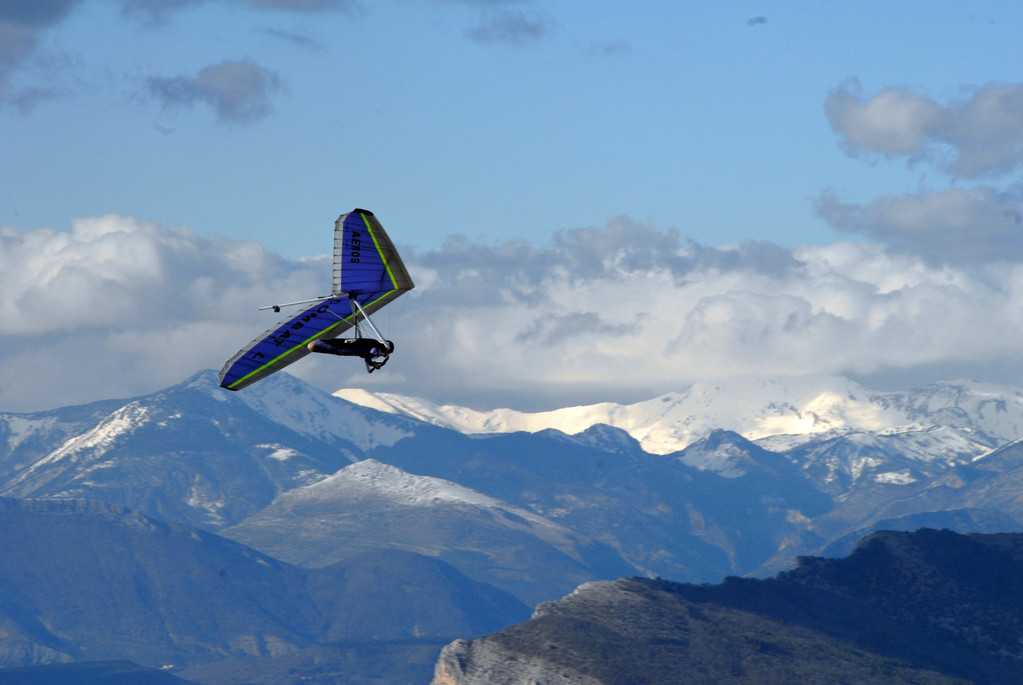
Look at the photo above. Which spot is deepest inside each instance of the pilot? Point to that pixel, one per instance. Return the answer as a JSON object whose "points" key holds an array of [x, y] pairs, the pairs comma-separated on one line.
{"points": [[374, 352]]}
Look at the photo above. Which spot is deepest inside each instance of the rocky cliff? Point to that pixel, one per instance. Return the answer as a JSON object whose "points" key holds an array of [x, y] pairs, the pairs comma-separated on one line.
{"points": [[924, 607]]}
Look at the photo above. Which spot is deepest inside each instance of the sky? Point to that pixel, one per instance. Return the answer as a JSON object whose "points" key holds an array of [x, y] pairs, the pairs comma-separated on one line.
{"points": [[600, 201]]}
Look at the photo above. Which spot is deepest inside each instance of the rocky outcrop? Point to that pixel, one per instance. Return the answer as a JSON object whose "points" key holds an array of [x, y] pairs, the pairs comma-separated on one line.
{"points": [[475, 662], [930, 607]]}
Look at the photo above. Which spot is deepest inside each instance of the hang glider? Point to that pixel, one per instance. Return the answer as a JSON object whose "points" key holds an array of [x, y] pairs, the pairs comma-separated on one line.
{"points": [[368, 274]]}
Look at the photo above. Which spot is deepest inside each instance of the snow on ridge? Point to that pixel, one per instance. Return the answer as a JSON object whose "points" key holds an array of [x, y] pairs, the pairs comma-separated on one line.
{"points": [[365, 398], [279, 452], [755, 408], [289, 402], [21, 428], [725, 460], [901, 477], [800, 408], [98, 440], [94, 443], [371, 479], [471, 421]]}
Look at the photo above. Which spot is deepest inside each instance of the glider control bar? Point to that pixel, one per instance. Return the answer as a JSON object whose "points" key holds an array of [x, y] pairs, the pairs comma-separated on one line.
{"points": [[357, 306]]}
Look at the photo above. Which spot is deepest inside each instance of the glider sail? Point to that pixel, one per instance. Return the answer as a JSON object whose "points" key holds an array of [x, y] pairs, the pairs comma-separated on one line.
{"points": [[367, 272]]}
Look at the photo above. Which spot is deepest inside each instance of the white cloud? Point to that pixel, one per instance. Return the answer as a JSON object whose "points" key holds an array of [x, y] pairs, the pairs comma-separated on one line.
{"points": [[960, 225], [630, 310], [121, 306], [980, 136], [894, 122], [976, 137]]}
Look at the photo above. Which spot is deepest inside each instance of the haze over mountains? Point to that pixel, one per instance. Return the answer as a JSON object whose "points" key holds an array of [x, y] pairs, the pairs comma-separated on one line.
{"points": [[726, 480], [89, 581]]}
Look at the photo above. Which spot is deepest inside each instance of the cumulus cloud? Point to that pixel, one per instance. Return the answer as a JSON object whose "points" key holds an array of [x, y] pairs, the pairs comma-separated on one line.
{"points": [[978, 136], [238, 91], [960, 225], [629, 309], [120, 306]]}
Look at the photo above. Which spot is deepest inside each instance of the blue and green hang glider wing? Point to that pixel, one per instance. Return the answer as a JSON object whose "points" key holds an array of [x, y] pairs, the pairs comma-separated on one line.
{"points": [[367, 269]]}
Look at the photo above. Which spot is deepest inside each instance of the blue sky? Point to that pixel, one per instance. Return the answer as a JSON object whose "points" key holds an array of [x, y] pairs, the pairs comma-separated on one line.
{"points": [[741, 138], [493, 120]]}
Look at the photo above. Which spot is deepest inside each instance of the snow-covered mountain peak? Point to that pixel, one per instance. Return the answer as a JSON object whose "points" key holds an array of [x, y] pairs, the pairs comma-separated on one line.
{"points": [[372, 486], [753, 407], [88, 447], [284, 399], [722, 452], [373, 479], [365, 398], [463, 419], [800, 408], [97, 441]]}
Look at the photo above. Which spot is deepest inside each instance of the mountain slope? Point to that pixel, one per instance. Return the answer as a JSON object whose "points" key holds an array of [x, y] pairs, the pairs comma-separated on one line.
{"points": [[193, 453], [388, 594], [86, 580], [661, 515], [924, 607], [92, 581], [370, 504], [23, 437]]}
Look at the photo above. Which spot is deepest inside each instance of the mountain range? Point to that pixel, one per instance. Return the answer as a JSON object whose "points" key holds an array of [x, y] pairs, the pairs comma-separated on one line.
{"points": [[731, 479], [782, 411], [578, 489]]}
